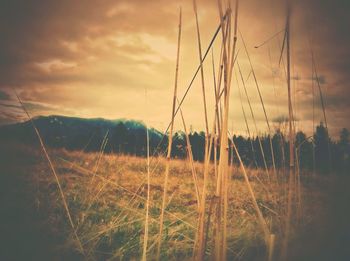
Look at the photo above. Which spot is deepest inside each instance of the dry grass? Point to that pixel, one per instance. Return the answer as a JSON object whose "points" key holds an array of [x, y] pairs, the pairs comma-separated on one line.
{"points": [[120, 207], [110, 212]]}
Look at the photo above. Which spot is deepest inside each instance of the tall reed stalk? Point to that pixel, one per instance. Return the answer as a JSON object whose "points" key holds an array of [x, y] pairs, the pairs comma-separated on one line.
{"points": [[291, 144], [190, 157], [218, 236], [216, 93], [145, 237], [254, 121], [323, 109], [200, 237], [261, 219], [170, 142], [246, 121], [201, 69], [42, 145], [223, 175], [313, 117], [262, 104]]}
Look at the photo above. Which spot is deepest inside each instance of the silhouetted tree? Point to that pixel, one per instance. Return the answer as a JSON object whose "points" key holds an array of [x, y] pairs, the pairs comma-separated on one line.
{"points": [[197, 143], [304, 151], [322, 142], [179, 146], [278, 144], [344, 151]]}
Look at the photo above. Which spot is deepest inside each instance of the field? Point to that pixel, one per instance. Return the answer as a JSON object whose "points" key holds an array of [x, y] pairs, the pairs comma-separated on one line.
{"points": [[106, 197], [247, 166]]}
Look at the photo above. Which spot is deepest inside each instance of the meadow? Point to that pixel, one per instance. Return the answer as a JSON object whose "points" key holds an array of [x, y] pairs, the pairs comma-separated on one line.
{"points": [[108, 204], [106, 196]]}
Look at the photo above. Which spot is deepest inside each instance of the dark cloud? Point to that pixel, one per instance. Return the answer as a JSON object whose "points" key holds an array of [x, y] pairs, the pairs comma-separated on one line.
{"points": [[320, 79], [280, 119], [11, 114], [35, 31], [283, 119], [8, 119], [10, 106], [45, 109], [4, 96], [36, 107]]}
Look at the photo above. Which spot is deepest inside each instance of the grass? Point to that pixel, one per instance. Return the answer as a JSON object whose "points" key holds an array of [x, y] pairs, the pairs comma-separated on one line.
{"points": [[111, 225]]}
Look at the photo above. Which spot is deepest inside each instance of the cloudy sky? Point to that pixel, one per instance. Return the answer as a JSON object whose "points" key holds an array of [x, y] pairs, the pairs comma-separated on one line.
{"points": [[116, 59]]}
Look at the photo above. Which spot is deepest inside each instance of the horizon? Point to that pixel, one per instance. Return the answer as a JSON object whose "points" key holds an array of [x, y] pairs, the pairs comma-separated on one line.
{"points": [[150, 127]]}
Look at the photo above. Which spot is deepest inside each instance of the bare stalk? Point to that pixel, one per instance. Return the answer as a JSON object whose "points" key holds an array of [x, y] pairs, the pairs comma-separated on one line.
{"points": [[170, 141], [262, 104], [102, 148], [145, 237], [323, 108], [291, 144], [215, 93], [223, 137], [190, 157], [201, 67], [193, 78], [246, 121], [313, 119], [201, 236], [261, 219], [223, 177], [65, 205], [254, 121]]}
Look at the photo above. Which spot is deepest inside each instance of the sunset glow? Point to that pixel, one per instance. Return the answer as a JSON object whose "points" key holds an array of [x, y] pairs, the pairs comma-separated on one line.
{"points": [[99, 60]]}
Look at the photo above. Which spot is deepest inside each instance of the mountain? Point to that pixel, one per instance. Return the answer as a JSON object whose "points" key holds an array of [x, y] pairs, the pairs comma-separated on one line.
{"points": [[80, 133]]}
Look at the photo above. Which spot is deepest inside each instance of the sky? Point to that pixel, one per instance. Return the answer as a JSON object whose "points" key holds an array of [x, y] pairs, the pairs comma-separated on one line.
{"points": [[116, 59]]}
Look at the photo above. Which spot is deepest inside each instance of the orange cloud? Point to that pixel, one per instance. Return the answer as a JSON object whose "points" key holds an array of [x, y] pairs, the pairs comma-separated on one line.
{"points": [[98, 59]]}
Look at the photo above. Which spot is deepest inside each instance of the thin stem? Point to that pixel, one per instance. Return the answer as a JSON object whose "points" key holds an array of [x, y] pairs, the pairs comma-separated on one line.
{"points": [[53, 172], [170, 142]]}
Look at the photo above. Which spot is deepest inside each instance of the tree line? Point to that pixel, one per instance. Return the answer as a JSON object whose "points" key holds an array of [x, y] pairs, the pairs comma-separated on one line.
{"points": [[317, 153]]}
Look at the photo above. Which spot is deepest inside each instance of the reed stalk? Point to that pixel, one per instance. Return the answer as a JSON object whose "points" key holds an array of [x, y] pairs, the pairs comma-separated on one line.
{"points": [[246, 121], [254, 121], [313, 118], [260, 217], [262, 104], [42, 145], [102, 148], [190, 157], [200, 237], [223, 148], [145, 238], [223, 177], [170, 142], [218, 29], [199, 247], [323, 109], [201, 68], [215, 94], [291, 184]]}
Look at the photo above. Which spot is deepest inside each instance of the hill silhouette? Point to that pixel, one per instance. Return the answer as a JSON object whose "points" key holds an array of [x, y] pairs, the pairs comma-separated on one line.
{"points": [[78, 133]]}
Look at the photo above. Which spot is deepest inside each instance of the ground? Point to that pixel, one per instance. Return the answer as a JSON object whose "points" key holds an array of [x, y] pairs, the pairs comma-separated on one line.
{"points": [[106, 199]]}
